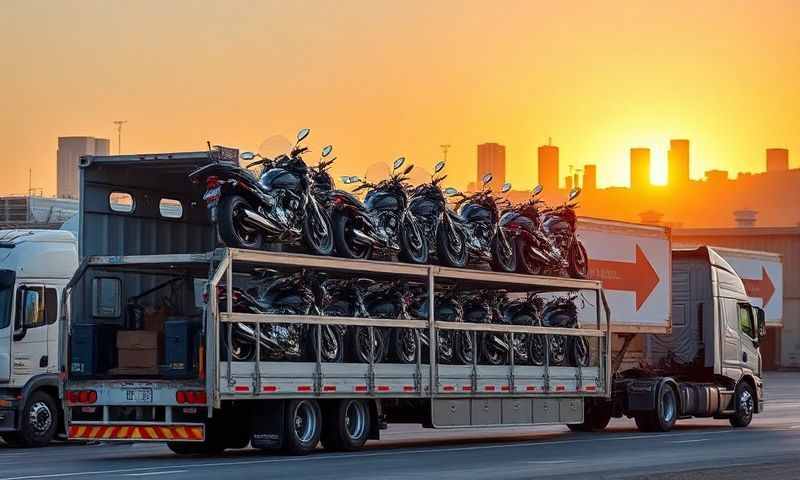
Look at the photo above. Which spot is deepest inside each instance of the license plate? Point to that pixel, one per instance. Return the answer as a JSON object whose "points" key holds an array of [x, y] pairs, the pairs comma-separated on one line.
{"points": [[139, 395], [212, 196]]}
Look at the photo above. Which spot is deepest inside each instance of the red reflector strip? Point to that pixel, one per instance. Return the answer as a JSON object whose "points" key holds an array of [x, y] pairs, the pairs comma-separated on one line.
{"points": [[269, 388], [590, 388], [466, 388], [489, 388], [383, 388], [360, 388], [530, 388], [504, 388], [329, 388], [409, 388], [153, 433], [304, 388], [241, 388], [561, 388], [448, 388]]}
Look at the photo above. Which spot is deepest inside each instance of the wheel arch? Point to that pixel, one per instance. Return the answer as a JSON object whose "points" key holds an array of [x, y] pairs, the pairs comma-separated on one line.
{"points": [[749, 380]]}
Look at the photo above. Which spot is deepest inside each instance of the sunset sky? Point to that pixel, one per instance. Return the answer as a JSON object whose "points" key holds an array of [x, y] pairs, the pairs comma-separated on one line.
{"points": [[381, 79]]}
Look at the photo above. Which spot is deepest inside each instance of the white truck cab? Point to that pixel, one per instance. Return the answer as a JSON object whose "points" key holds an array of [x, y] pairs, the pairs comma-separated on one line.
{"points": [[35, 266]]}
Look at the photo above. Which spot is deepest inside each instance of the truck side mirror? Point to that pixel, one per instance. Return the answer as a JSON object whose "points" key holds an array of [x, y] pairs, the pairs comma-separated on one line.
{"points": [[761, 323]]}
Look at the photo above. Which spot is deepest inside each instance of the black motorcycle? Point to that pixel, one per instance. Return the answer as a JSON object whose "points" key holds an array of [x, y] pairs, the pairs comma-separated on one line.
{"points": [[485, 306], [527, 311], [443, 228], [296, 294], [382, 223], [560, 223], [278, 206], [565, 350], [350, 298], [486, 241]]}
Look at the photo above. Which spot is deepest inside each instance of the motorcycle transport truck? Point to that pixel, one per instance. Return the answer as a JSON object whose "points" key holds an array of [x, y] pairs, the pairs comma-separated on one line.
{"points": [[170, 337]]}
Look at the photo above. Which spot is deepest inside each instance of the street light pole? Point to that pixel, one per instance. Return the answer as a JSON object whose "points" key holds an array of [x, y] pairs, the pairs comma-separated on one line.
{"points": [[119, 124]]}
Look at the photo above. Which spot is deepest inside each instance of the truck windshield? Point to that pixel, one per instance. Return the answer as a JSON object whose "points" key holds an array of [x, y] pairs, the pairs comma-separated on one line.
{"points": [[6, 293]]}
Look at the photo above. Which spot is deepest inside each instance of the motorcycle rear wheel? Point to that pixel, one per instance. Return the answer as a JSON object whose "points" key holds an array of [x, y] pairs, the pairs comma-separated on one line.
{"points": [[231, 229], [343, 225], [525, 262]]}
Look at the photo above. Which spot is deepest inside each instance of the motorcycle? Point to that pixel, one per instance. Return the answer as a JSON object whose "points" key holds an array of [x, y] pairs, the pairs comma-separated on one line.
{"points": [[443, 228], [278, 206], [486, 241], [348, 298], [528, 349], [382, 222], [560, 224], [562, 350], [296, 294], [485, 306]]}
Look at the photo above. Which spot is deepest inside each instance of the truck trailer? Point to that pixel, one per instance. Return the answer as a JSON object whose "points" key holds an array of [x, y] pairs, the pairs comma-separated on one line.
{"points": [[147, 349]]}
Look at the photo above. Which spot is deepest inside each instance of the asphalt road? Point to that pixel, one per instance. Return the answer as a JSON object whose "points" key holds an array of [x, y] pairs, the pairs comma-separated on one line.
{"points": [[768, 449]]}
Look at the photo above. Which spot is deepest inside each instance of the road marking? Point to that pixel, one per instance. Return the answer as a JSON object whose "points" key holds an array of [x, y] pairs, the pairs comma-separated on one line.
{"points": [[550, 462], [691, 441], [145, 474], [327, 457]]}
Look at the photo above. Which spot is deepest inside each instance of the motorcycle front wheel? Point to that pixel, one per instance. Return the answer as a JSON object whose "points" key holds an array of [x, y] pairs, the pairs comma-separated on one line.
{"points": [[404, 345], [413, 245], [361, 345], [578, 261], [331, 341], [580, 356], [504, 257], [526, 262], [346, 247], [451, 247], [558, 350], [317, 232], [232, 229], [537, 349], [492, 353]]}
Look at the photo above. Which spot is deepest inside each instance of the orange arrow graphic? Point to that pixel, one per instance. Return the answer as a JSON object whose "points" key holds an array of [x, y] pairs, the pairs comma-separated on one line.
{"points": [[639, 277], [762, 288]]}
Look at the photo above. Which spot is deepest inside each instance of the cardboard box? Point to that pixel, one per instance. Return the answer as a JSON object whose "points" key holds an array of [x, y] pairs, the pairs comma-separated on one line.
{"points": [[133, 371], [137, 340], [138, 358]]}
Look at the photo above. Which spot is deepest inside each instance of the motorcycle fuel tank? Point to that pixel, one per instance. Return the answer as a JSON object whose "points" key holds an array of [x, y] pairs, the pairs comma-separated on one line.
{"points": [[515, 220], [476, 213], [278, 178], [382, 201]]}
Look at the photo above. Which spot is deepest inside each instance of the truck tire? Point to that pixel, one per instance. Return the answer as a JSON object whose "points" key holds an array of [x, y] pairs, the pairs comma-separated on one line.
{"points": [[662, 418], [38, 424], [596, 416], [303, 426], [744, 404], [347, 425]]}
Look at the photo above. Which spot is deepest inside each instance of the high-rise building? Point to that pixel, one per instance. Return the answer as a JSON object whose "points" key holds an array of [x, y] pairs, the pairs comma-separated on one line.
{"points": [[548, 167], [640, 168], [590, 177], [777, 159], [492, 159], [68, 156], [678, 161]]}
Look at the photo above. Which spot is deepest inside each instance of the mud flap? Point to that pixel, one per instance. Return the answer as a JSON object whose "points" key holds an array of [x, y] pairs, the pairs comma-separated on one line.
{"points": [[267, 427]]}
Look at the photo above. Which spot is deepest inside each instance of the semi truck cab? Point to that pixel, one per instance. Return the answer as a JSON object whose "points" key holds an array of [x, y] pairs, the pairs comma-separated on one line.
{"points": [[35, 267]]}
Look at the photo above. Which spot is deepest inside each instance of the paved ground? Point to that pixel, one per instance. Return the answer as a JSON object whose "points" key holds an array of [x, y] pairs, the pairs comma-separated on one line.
{"points": [[768, 449]]}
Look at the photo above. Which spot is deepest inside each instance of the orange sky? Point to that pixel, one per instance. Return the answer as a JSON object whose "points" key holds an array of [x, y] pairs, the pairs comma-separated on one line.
{"points": [[382, 79]]}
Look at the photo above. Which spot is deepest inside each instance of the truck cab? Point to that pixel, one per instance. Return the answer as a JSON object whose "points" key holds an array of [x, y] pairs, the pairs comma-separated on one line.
{"points": [[35, 267]]}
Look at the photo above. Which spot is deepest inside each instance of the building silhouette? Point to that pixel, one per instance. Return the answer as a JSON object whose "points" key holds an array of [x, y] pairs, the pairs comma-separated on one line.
{"points": [[491, 159], [548, 167], [590, 177], [640, 168], [777, 159], [68, 157], [678, 162]]}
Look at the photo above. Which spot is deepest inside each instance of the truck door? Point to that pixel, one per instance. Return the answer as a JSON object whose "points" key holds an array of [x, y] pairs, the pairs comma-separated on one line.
{"points": [[6, 313], [748, 336], [731, 339], [36, 307]]}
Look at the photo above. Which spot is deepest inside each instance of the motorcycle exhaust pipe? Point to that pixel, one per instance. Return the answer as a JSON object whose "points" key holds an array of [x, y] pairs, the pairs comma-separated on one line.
{"points": [[255, 220], [363, 239]]}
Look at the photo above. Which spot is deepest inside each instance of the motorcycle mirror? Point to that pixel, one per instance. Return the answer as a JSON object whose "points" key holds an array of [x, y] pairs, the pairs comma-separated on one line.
{"points": [[450, 191], [537, 190], [487, 178], [505, 188], [247, 156], [573, 194], [399, 163], [345, 179], [408, 169], [326, 150], [302, 134], [438, 167], [354, 179]]}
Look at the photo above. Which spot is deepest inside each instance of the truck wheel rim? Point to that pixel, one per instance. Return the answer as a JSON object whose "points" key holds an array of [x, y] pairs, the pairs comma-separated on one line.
{"points": [[746, 403], [305, 422], [40, 416], [355, 420], [667, 405]]}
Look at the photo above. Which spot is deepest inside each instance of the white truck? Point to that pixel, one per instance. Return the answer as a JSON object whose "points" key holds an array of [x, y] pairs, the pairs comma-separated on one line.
{"points": [[145, 353], [35, 266]]}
